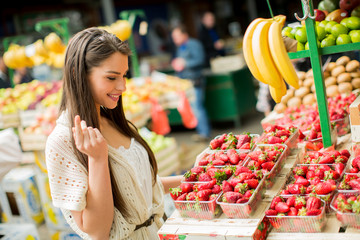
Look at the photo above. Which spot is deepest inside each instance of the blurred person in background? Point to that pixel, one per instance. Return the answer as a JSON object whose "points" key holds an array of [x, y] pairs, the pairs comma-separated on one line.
{"points": [[209, 37], [22, 75], [188, 63], [4, 79]]}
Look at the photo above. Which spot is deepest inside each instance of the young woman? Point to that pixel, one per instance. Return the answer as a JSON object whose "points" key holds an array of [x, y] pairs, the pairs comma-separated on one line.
{"points": [[102, 174]]}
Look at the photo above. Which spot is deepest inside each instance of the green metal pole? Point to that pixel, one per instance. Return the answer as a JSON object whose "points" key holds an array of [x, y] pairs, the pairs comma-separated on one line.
{"points": [[315, 59]]}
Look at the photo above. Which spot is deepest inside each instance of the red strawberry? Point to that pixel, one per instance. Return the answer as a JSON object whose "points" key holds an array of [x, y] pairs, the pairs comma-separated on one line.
{"points": [[246, 146], [356, 162], [302, 181], [315, 181], [299, 202], [242, 139], [252, 183], [273, 140], [354, 170], [339, 168], [234, 181], [320, 173], [242, 200], [218, 162], [349, 177], [341, 159], [241, 169], [282, 207], [182, 197], [324, 188], [175, 192], [355, 184], [242, 155], [310, 174], [292, 212], [282, 133], [268, 165], [249, 193], [234, 159], [300, 170], [328, 159], [310, 189], [204, 177], [203, 186], [231, 197], [216, 189], [243, 176], [301, 135], [271, 212], [203, 162], [313, 212], [313, 203], [197, 170], [215, 143], [191, 196], [275, 201], [190, 177], [186, 187], [312, 134], [226, 187], [291, 201], [296, 189], [204, 195], [211, 171], [345, 153]]}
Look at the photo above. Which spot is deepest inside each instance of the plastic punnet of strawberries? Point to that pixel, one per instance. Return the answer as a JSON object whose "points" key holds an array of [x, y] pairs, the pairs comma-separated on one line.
{"points": [[231, 141], [350, 181], [264, 157], [355, 165], [276, 134], [223, 157], [209, 173], [327, 157], [347, 207], [304, 173]]}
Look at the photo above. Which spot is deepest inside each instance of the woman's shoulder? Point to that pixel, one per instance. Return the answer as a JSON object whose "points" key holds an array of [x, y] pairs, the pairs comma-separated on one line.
{"points": [[61, 135]]}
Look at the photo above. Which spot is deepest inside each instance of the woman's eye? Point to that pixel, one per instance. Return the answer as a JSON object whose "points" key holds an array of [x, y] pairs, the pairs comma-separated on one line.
{"points": [[112, 78]]}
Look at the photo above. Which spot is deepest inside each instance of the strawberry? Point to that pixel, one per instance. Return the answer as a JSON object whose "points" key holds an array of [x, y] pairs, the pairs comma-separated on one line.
{"points": [[354, 170], [175, 192], [268, 165], [356, 162], [324, 188], [243, 176], [341, 159], [343, 185], [296, 189], [215, 143], [190, 177], [226, 187], [242, 155], [242, 200], [312, 134], [218, 162], [275, 201], [241, 188], [242, 139], [204, 177], [231, 197], [310, 174], [241, 169], [292, 211], [291, 201], [249, 193], [197, 170], [282, 133], [319, 173], [282, 207], [271, 212], [345, 153], [328, 159], [313, 212], [302, 211], [300, 170], [216, 189], [182, 197], [234, 181], [302, 181], [301, 135], [203, 186], [315, 181], [252, 183], [191, 196], [273, 140], [339, 168], [246, 146], [313, 203], [355, 184], [349, 177], [211, 171], [229, 171], [186, 187], [203, 162], [204, 195], [299, 202]]}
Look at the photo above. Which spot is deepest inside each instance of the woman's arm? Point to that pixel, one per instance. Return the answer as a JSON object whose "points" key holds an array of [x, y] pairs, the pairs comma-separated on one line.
{"points": [[171, 182], [97, 217]]}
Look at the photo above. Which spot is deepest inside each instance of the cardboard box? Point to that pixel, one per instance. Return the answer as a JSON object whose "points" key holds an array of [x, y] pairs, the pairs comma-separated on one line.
{"points": [[354, 109], [21, 193], [18, 232]]}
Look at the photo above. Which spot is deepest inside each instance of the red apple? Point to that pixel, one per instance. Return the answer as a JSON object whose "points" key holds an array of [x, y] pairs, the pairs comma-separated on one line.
{"points": [[348, 5], [319, 15]]}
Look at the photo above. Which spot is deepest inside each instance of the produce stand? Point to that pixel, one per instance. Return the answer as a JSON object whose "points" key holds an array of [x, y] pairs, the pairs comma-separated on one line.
{"points": [[229, 95]]}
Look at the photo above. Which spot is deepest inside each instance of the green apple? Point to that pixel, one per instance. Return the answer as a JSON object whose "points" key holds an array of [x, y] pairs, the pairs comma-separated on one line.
{"points": [[300, 46], [328, 41], [338, 29], [353, 23], [323, 23], [321, 33], [355, 36], [343, 39], [329, 25], [307, 44], [300, 35], [344, 21], [287, 32]]}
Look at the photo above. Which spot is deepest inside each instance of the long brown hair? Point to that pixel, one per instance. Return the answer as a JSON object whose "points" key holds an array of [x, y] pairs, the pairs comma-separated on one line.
{"points": [[88, 49]]}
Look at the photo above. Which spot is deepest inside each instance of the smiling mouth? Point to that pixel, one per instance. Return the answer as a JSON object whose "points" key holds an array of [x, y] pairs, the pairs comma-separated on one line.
{"points": [[114, 97]]}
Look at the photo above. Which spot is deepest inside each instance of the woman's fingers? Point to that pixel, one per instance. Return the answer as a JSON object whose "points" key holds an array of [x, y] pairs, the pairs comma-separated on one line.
{"points": [[92, 136], [79, 138], [85, 132]]}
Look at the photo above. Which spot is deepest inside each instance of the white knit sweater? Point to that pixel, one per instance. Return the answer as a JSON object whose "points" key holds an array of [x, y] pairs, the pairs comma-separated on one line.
{"points": [[69, 183]]}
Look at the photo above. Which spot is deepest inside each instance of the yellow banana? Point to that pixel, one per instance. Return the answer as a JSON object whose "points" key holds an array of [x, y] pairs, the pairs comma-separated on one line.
{"points": [[248, 51], [280, 56], [261, 51], [278, 93]]}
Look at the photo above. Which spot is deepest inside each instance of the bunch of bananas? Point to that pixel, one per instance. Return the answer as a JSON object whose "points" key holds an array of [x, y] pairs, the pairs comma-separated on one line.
{"points": [[266, 56]]}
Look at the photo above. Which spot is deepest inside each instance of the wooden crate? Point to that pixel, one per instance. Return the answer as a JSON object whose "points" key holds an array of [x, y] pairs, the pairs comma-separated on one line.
{"points": [[168, 160], [9, 120], [32, 142]]}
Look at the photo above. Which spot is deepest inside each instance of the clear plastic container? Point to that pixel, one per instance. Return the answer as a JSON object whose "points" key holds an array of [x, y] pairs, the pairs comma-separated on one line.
{"points": [[307, 224], [348, 190], [243, 210], [332, 166], [347, 219], [208, 152], [342, 125], [198, 209], [317, 144], [280, 162], [254, 138], [291, 142]]}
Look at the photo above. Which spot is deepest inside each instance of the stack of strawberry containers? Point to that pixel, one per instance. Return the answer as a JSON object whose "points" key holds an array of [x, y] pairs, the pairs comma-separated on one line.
{"points": [[232, 175], [313, 180]]}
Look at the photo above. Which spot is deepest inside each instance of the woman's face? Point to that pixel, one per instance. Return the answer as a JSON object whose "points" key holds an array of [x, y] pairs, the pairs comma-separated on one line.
{"points": [[107, 81]]}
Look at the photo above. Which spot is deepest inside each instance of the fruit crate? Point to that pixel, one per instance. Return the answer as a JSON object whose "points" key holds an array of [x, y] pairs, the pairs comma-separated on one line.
{"points": [[291, 142], [198, 209], [342, 125], [341, 189], [280, 162], [254, 139], [308, 224], [347, 219], [243, 210], [332, 166], [9, 120]]}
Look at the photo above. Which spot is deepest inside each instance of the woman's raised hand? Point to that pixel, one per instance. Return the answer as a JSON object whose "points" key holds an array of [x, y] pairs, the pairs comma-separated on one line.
{"points": [[89, 140]]}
